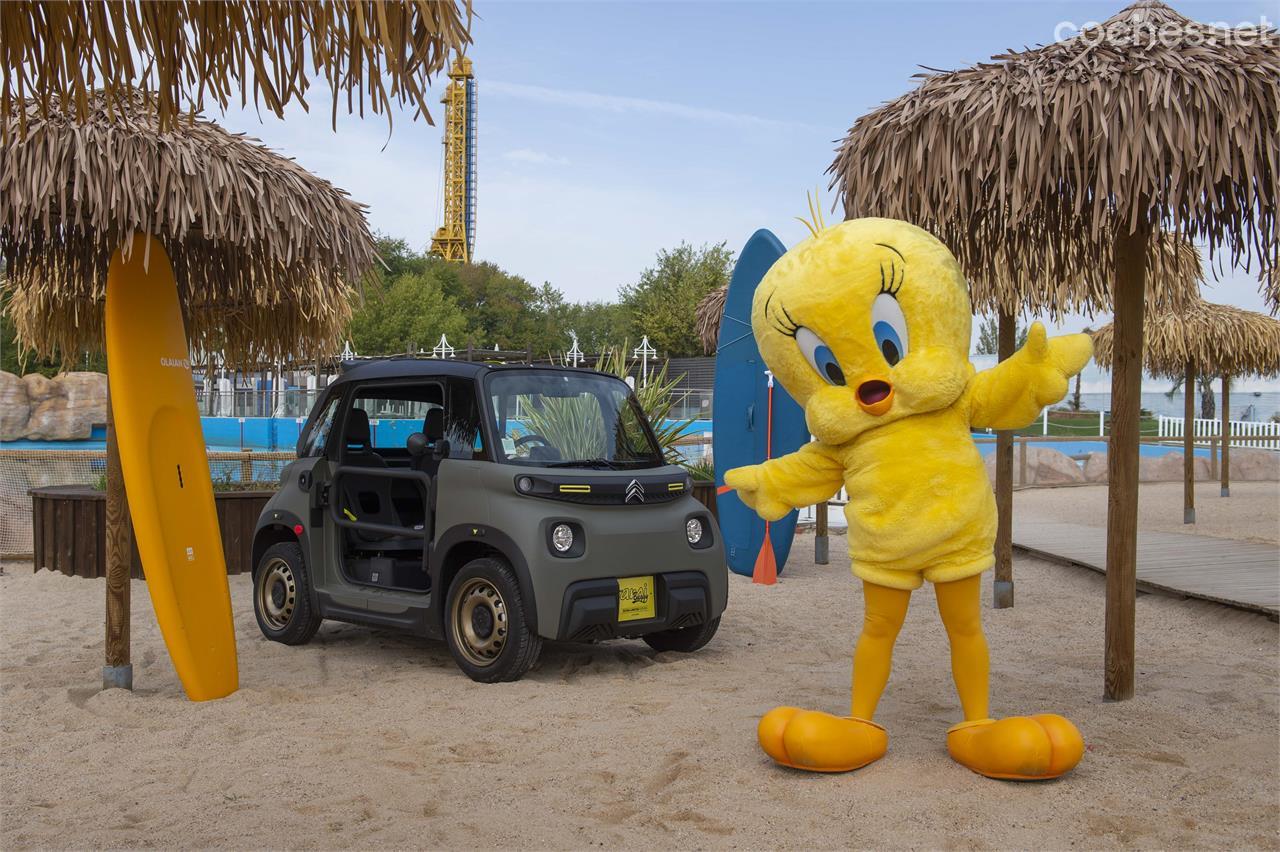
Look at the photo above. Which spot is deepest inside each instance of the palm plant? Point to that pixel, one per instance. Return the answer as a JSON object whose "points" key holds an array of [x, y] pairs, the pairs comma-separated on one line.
{"points": [[574, 425], [1208, 404], [654, 396]]}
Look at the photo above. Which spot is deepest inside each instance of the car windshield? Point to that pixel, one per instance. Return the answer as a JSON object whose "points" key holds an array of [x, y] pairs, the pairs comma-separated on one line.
{"points": [[569, 419]]}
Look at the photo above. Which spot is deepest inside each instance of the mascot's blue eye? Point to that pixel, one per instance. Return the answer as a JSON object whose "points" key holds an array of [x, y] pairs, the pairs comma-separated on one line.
{"points": [[889, 327], [819, 356]]}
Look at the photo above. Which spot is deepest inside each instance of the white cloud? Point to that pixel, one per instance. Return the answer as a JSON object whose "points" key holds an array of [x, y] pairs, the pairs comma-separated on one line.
{"points": [[537, 158], [622, 104]]}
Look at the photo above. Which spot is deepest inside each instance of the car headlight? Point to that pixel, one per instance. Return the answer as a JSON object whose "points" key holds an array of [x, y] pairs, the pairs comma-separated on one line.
{"points": [[562, 537], [693, 530]]}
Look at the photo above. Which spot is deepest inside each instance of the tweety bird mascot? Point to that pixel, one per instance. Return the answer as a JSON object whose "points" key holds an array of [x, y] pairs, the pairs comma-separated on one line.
{"points": [[867, 326]]}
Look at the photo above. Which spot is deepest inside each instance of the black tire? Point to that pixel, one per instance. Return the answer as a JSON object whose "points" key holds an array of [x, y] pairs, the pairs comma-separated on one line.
{"points": [[282, 596], [485, 623], [685, 640]]}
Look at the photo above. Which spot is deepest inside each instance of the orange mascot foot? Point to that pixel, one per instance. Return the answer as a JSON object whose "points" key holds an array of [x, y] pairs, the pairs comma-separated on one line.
{"points": [[1019, 748], [820, 742]]}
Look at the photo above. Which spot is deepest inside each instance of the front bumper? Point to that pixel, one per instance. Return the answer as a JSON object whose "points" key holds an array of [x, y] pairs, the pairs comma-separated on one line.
{"points": [[590, 608]]}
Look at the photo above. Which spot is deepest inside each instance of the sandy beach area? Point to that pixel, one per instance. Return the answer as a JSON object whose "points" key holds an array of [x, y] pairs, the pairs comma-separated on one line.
{"points": [[1251, 513], [367, 739]]}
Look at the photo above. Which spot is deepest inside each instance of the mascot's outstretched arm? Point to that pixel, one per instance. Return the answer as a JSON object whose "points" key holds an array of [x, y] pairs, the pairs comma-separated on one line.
{"points": [[1012, 394], [808, 476]]}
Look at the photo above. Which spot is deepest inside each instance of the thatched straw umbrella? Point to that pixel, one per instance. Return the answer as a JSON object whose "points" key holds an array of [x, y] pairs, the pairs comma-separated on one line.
{"points": [[264, 252], [1271, 287], [1203, 339], [1060, 163], [377, 51], [265, 255], [707, 318], [1175, 276]]}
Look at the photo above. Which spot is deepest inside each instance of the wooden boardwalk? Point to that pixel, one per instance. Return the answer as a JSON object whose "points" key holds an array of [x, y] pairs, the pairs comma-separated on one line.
{"points": [[1237, 573]]}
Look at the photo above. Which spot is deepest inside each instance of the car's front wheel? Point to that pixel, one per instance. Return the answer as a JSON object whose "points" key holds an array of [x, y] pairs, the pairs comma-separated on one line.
{"points": [[685, 639], [486, 628], [282, 596]]}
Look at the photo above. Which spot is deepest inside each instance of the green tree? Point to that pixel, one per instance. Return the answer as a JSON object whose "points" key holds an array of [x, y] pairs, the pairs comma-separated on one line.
{"points": [[662, 303], [499, 308], [502, 309], [398, 259], [989, 336], [409, 313], [599, 325]]}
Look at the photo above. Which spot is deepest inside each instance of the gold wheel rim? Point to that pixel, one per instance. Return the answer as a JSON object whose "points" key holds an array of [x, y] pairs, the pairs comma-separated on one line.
{"points": [[479, 624], [277, 594]]}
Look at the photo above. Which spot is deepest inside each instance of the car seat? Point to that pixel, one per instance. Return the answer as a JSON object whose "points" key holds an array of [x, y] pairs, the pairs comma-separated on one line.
{"points": [[433, 429], [368, 498]]}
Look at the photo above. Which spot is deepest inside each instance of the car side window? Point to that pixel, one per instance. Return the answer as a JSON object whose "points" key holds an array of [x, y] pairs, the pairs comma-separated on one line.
{"points": [[395, 412], [318, 438]]}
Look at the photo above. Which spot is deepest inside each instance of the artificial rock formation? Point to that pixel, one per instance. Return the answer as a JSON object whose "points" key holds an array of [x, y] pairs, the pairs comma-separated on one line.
{"points": [[1045, 466], [64, 408]]}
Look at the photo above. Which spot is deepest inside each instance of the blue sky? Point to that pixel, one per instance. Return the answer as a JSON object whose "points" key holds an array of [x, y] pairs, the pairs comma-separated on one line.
{"points": [[609, 130]]}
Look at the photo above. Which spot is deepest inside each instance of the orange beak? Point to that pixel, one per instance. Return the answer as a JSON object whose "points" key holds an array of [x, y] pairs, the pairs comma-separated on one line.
{"points": [[875, 396]]}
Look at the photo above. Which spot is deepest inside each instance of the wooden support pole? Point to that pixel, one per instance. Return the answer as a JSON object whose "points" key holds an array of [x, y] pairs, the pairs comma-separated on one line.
{"points": [[117, 670], [1189, 446], [1226, 436], [1122, 459], [1006, 341], [821, 543]]}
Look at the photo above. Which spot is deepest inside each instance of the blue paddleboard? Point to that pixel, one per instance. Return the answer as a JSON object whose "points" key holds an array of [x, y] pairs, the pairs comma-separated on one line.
{"points": [[740, 422]]}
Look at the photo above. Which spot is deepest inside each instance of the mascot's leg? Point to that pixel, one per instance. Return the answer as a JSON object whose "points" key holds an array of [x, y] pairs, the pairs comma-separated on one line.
{"points": [[821, 742], [1024, 748], [886, 609]]}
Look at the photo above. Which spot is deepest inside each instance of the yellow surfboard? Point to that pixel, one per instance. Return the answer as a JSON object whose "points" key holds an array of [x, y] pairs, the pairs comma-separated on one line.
{"points": [[166, 469]]}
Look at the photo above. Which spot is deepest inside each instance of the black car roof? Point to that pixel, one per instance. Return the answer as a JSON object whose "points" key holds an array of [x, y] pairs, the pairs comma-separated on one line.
{"points": [[408, 367]]}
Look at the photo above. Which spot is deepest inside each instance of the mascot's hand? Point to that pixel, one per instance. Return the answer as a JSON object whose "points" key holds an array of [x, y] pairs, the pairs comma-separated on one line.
{"points": [[1049, 364], [750, 484]]}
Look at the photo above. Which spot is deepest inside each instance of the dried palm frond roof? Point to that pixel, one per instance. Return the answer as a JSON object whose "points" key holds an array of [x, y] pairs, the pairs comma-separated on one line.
{"points": [[1218, 339], [1271, 287], [183, 51], [266, 254], [1025, 165], [707, 318], [1174, 276]]}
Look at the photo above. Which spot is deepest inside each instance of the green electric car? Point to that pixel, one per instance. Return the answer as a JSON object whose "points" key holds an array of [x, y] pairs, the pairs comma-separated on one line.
{"points": [[492, 506]]}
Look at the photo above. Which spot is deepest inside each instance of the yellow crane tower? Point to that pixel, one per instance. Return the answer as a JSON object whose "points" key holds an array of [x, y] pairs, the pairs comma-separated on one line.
{"points": [[456, 238]]}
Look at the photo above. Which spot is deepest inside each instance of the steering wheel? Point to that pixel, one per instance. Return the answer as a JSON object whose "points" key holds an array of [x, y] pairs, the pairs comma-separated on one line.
{"points": [[529, 438]]}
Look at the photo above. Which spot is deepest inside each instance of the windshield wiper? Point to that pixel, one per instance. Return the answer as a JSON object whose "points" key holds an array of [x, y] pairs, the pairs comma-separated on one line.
{"points": [[607, 464], [604, 463]]}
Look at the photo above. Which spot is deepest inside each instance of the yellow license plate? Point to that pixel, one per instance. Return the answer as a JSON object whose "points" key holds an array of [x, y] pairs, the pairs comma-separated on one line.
{"points": [[635, 598]]}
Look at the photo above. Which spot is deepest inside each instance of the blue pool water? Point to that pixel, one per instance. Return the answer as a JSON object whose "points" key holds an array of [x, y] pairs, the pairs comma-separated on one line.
{"points": [[1079, 448], [273, 434]]}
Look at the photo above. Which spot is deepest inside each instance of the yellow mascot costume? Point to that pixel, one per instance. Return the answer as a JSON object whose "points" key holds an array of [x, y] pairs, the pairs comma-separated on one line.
{"points": [[867, 326]]}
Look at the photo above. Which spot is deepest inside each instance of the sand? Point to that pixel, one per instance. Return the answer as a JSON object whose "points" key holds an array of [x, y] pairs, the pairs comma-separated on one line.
{"points": [[1251, 513], [369, 739]]}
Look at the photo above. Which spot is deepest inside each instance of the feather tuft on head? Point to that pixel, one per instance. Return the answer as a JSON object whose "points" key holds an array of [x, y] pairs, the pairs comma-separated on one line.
{"points": [[815, 222]]}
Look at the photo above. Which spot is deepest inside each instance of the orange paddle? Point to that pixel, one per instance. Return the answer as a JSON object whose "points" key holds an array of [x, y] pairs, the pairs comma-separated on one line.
{"points": [[766, 570]]}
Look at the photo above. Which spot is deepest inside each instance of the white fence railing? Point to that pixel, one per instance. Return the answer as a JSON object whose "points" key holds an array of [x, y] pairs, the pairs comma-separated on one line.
{"points": [[1244, 433]]}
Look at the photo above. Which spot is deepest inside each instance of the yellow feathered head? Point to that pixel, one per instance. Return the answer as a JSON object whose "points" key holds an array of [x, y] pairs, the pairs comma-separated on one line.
{"points": [[865, 323]]}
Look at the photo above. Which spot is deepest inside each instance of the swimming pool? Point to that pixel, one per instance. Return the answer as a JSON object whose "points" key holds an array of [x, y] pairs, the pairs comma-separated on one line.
{"points": [[987, 446], [271, 434]]}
